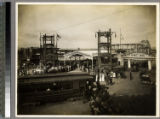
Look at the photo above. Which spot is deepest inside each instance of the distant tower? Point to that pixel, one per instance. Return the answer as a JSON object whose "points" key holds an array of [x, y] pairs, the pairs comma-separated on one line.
{"points": [[105, 57], [105, 47], [48, 47]]}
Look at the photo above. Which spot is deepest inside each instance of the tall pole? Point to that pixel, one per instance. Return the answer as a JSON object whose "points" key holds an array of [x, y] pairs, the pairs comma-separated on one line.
{"points": [[120, 38], [40, 48], [92, 63], [55, 37], [40, 40], [99, 57], [110, 37]]}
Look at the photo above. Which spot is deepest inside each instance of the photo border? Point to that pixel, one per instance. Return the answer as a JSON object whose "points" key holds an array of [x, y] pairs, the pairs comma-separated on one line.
{"points": [[14, 54]]}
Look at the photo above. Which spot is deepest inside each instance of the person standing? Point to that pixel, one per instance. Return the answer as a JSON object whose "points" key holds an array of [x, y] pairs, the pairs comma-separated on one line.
{"points": [[130, 75]]}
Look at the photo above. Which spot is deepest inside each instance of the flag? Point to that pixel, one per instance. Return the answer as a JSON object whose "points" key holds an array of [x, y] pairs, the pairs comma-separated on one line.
{"points": [[58, 36]]}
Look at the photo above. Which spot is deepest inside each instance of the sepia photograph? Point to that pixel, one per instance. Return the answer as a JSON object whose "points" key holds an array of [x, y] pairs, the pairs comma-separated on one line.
{"points": [[86, 59]]}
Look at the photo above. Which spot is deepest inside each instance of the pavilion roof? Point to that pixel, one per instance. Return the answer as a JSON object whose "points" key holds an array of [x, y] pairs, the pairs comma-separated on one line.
{"points": [[78, 54]]}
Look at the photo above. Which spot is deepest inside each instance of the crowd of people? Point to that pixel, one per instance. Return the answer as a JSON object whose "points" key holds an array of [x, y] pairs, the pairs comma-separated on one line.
{"points": [[41, 69]]}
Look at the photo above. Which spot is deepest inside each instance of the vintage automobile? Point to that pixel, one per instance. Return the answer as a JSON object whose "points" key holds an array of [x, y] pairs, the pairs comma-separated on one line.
{"points": [[145, 78]]}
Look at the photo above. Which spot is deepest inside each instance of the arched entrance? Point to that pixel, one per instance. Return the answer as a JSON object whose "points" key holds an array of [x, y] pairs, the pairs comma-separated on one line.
{"points": [[78, 60]]}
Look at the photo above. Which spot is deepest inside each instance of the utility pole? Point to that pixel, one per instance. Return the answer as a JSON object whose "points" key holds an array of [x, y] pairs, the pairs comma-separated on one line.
{"points": [[120, 38], [40, 48], [99, 57]]}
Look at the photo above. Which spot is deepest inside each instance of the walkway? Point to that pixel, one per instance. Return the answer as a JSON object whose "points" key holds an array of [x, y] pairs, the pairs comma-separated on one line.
{"points": [[130, 87]]}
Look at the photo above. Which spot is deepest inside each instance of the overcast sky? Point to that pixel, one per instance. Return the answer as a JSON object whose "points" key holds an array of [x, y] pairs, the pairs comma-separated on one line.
{"points": [[77, 24]]}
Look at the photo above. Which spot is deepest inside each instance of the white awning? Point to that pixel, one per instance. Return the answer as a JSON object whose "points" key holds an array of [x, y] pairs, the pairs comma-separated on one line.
{"points": [[77, 54]]}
